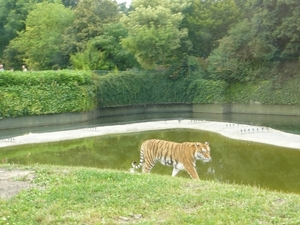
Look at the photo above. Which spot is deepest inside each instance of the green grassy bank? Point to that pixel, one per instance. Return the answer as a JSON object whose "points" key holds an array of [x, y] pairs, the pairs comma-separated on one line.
{"points": [[68, 195]]}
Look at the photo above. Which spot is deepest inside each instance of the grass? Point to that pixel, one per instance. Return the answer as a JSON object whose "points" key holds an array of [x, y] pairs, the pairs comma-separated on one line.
{"points": [[72, 195]]}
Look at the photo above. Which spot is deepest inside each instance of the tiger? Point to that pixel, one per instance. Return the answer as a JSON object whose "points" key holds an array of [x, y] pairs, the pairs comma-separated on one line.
{"points": [[182, 156]]}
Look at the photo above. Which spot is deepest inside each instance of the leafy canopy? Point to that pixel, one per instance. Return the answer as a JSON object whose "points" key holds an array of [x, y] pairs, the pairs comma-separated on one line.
{"points": [[208, 21], [261, 44], [90, 18], [105, 52], [40, 43], [154, 32]]}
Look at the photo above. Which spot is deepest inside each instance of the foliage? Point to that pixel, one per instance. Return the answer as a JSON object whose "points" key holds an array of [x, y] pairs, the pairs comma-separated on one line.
{"points": [[187, 67], [121, 89], [35, 93], [154, 32], [276, 23], [90, 18], [208, 91], [13, 14], [5, 36], [124, 89], [230, 61], [70, 3], [258, 44], [134, 88], [39, 46], [105, 52], [232, 40], [207, 22], [267, 92], [179, 70], [92, 196], [59, 77]]}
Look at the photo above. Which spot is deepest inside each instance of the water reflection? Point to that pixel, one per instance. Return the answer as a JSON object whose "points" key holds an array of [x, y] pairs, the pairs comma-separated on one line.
{"points": [[233, 161]]}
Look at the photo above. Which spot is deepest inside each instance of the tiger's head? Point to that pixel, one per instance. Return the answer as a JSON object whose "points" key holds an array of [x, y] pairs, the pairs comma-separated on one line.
{"points": [[202, 152]]}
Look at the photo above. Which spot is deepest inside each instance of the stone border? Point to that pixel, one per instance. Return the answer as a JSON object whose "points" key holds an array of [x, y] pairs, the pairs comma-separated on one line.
{"points": [[214, 109], [231, 130], [75, 117], [252, 108]]}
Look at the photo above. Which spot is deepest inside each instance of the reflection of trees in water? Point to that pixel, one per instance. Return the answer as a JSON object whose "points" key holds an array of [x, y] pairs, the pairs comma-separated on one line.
{"points": [[257, 164]]}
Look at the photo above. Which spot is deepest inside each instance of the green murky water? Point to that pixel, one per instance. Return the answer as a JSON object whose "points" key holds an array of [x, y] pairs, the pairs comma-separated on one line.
{"points": [[233, 161]]}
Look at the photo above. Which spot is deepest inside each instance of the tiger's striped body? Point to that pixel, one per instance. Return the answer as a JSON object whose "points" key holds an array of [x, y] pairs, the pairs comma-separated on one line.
{"points": [[181, 156]]}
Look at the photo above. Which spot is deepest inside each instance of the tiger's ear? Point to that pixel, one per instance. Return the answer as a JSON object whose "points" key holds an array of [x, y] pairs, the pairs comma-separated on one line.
{"points": [[197, 144], [206, 143]]}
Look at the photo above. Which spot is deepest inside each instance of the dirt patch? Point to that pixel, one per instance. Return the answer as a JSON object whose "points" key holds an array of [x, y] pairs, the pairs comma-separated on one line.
{"points": [[14, 181]]}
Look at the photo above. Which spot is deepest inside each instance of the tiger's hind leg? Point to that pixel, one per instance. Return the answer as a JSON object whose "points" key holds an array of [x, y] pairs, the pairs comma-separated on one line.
{"points": [[147, 166], [147, 169]]}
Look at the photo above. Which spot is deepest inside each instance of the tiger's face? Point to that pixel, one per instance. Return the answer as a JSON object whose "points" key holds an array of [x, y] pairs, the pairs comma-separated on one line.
{"points": [[202, 152]]}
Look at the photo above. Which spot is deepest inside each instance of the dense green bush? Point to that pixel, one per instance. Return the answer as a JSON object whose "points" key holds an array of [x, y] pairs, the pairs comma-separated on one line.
{"points": [[46, 92], [208, 91], [267, 92], [131, 88], [120, 89], [60, 77]]}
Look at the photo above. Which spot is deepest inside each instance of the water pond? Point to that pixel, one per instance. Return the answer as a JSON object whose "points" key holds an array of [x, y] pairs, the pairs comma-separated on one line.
{"points": [[234, 161]]}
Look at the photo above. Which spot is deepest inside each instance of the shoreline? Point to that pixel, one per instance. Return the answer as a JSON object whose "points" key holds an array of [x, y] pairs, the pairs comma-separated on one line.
{"points": [[244, 132]]}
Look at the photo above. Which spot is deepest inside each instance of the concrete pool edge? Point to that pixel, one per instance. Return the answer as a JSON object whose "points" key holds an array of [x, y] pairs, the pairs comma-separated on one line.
{"points": [[231, 130]]}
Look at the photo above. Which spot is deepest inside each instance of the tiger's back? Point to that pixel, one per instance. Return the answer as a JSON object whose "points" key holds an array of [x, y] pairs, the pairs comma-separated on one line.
{"points": [[181, 156]]}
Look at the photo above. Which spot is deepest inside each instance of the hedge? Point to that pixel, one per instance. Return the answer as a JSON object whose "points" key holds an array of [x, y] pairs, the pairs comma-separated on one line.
{"points": [[49, 92], [267, 92], [46, 92], [157, 88]]}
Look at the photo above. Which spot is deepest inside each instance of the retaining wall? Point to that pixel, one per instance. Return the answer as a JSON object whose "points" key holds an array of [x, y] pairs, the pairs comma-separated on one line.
{"points": [[226, 110], [255, 108]]}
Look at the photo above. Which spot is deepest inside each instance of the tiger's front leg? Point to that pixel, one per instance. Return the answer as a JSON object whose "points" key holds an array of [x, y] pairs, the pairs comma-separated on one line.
{"points": [[192, 172], [176, 168]]}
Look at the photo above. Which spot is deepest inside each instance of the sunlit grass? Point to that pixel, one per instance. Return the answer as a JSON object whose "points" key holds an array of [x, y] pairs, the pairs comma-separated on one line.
{"points": [[69, 195]]}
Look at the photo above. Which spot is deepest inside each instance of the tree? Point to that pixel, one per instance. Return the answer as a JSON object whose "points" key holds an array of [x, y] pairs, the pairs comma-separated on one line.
{"points": [[208, 21], [277, 24], [70, 3], [261, 45], [154, 32], [230, 61], [40, 44], [13, 14], [105, 52], [5, 7], [90, 17]]}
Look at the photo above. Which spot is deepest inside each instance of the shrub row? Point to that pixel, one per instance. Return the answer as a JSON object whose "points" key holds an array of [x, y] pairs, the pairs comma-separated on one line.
{"points": [[133, 88], [130, 88], [59, 77], [49, 92], [46, 92], [267, 92]]}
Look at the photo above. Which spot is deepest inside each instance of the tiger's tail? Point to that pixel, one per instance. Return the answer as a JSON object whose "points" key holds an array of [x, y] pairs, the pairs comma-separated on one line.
{"points": [[137, 166]]}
